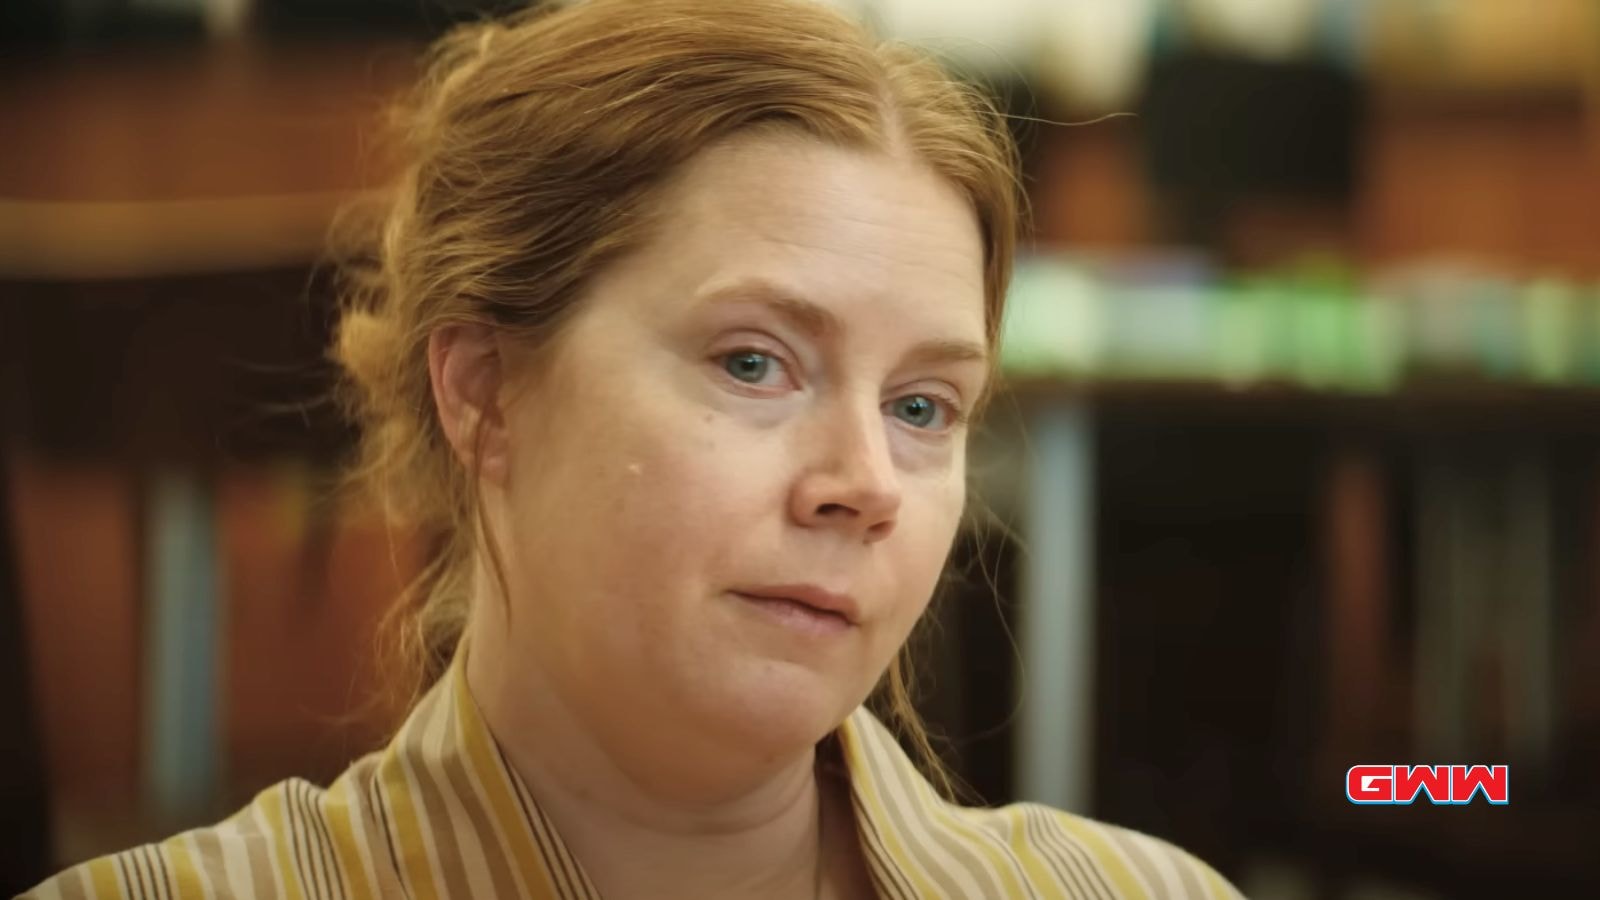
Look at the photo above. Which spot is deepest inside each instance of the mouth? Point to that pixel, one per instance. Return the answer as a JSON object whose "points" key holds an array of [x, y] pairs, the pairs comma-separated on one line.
{"points": [[807, 607]]}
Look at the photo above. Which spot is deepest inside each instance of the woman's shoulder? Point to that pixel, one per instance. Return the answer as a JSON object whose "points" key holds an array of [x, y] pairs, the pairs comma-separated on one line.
{"points": [[292, 839], [930, 847], [1086, 857]]}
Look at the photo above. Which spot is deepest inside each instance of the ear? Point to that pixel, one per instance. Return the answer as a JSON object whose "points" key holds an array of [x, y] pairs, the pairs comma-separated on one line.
{"points": [[468, 374]]}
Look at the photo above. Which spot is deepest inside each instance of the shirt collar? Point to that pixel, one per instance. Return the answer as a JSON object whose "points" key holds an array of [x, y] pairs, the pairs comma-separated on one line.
{"points": [[491, 815]]}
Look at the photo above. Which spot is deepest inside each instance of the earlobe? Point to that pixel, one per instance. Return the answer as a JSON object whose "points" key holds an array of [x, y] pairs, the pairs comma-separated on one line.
{"points": [[466, 369]]}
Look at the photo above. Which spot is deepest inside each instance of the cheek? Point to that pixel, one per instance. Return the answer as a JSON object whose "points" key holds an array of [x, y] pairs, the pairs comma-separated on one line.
{"points": [[926, 532], [675, 493], [939, 501], [633, 510]]}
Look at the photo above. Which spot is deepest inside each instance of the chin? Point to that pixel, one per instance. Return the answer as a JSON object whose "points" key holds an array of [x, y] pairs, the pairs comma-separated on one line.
{"points": [[776, 708]]}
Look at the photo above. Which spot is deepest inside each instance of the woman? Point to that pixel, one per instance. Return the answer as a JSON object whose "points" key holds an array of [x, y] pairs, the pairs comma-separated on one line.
{"points": [[677, 320]]}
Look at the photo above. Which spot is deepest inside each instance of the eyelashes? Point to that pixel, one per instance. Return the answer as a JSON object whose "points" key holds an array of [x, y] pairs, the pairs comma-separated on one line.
{"points": [[751, 366], [926, 411]]}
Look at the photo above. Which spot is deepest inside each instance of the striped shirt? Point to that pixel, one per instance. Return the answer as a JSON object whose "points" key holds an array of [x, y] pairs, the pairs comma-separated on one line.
{"points": [[439, 815]]}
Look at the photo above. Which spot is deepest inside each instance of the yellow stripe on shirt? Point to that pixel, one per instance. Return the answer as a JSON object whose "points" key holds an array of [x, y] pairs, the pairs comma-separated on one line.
{"points": [[272, 809], [186, 877], [351, 855], [103, 879], [855, 756], [439, 814]]}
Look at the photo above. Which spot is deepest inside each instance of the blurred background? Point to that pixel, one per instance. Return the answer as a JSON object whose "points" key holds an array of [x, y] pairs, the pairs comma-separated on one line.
{"points": [[1299, 458]]}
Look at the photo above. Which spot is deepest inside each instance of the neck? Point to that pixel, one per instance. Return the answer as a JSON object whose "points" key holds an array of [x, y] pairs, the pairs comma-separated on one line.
{"points": [[647, 817]]}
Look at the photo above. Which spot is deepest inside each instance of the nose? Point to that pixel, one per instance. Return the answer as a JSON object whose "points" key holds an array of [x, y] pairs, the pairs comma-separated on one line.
{"points": [[850, 483]]}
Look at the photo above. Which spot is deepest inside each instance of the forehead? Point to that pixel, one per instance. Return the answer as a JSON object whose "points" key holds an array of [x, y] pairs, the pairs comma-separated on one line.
{"points": [[866, 234]]}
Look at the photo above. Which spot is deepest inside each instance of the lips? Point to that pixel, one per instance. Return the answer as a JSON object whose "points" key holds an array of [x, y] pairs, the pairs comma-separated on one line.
{"points": [[811, 596]]}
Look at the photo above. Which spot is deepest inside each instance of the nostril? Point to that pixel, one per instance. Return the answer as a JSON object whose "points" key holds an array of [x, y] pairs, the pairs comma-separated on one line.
{"points": [[828, 509], [880, 530]]}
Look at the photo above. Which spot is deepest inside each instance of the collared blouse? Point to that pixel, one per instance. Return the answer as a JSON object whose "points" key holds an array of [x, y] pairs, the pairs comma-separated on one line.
{"points": [[439, 814]]}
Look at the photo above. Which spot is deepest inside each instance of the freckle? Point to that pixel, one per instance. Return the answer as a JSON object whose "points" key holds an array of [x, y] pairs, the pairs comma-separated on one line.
{"points": [[708, 418]]}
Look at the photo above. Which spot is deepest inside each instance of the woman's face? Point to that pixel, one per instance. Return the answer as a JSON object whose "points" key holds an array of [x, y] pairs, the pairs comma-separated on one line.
{"points": [[764, 402]]}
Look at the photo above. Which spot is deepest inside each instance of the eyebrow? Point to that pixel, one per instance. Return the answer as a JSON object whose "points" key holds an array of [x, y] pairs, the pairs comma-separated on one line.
{"points": [[817, 321]]}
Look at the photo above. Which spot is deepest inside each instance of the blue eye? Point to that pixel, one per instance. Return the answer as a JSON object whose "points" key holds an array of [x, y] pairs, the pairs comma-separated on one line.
{"points": [[748, 366], [916, 409]]}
